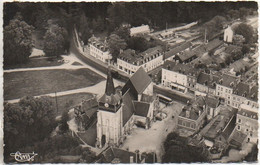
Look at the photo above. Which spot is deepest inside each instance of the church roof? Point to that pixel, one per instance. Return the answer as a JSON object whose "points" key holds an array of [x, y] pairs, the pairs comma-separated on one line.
{"points": [[141, 108], [128, 107], [140, 80]]}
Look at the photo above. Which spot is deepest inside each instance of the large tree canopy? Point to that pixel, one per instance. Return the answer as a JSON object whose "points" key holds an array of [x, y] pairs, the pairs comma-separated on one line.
{"points": [[246, 31], [116, 43], [17, 41], [32, 119], [55, 41]]}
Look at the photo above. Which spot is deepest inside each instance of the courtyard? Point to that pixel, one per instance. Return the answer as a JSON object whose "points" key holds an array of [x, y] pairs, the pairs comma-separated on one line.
{"points": [[151, 140]]}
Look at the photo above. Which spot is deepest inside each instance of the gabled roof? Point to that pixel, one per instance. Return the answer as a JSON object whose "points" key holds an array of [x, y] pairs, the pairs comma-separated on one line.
{"points": [[139, 80], [88, 104], [253, 94], [128, 107], [141, 108]]}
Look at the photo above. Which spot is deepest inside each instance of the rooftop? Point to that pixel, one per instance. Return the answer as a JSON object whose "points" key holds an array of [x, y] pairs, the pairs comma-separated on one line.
{"points": [[228, 80], [130, 55], [209, 80], [248, 112], [98, 43], [141, 108], [139, 29], [185, 69], [177, 49]]}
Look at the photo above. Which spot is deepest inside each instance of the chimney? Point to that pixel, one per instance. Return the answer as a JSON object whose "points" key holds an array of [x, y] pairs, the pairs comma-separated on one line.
{"points": [[131, 159]]}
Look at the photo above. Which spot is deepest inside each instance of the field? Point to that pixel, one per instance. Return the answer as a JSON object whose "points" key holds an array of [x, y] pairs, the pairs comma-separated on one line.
{"points": [[33, 83], [37, 62], [67, 102]]}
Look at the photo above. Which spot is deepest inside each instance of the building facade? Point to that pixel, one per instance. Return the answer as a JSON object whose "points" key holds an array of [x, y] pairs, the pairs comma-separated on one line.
{"points": [[140, 30], [228, 34], [247, 122], [178, 76], [99, 50]]}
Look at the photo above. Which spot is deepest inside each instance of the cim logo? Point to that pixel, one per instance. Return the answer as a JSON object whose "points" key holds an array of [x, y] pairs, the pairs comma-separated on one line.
{"points": [[23, 157]]}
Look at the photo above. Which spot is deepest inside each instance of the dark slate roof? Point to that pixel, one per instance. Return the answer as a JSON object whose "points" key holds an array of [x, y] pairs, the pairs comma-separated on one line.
{"points": [[253, 94], [229, 127], [111, 153], [177, 49], [128, 107], [139, 81], [141, 108], [185, 69], [212, 102], [194, 108], [247, 113], [228, 80], [242, 89], [213, 44], [130, 55]]}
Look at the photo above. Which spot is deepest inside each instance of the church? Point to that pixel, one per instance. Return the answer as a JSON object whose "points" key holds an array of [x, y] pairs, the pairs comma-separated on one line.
{"points": [[120, 110]]}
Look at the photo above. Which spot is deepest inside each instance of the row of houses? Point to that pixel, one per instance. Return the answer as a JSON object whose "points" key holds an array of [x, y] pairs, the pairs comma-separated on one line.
{"points": [[229, 88]]}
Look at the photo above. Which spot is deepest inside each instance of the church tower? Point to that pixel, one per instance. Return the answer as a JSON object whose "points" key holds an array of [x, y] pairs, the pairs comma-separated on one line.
{"points": [[109, 116]]}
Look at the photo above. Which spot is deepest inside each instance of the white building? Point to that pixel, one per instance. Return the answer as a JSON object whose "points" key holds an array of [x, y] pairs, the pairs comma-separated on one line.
{"points": [[228, 35], [178, 76], [99, 50], [224, 88], [144, 29], [247, 122], [129, 62]]}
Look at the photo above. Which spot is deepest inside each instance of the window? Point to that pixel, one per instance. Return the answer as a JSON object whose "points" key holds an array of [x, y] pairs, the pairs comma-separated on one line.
{"points": [[239, 120], [238, 127]]}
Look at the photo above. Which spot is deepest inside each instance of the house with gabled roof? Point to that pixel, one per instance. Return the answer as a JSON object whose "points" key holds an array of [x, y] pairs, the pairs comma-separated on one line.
{"points": [[119, 111]]}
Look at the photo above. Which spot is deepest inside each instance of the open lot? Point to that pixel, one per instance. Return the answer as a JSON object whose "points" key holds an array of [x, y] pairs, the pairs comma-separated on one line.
{"points": [[151, 140], [19, 84]]}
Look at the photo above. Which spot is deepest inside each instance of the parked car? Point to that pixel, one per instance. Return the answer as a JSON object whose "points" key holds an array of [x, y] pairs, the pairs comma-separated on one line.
{"points": [[160, 116]]}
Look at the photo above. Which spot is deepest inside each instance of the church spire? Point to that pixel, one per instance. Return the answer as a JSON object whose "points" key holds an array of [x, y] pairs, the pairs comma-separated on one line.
{"points": [[110, 89]]}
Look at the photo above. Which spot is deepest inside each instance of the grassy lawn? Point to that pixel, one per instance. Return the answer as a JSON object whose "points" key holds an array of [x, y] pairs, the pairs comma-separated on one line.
{"points": [[19, 84], [67, 102], [37, 62]]}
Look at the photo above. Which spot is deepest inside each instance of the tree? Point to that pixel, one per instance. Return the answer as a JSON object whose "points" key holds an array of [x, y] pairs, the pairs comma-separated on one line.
{"points": [[178, 151], [246, 31], [137, 43], [17, 41], [64, 127], [115, 44], [55, 41], [234, 14], [123, 32], [98, 25], [29, 121], [245, 49]]}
